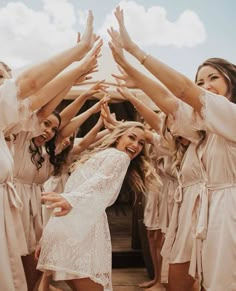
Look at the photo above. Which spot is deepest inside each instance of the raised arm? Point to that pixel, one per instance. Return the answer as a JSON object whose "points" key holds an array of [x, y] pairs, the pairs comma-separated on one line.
{"points": [[159, 94], [71, 110], [148, 114], [48, 108], [177, 83], [78, 120], [34, 78], [66, 79], [88, 139]]}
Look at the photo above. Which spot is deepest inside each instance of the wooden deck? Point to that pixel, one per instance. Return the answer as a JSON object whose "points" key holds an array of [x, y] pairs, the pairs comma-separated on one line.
{"points": [[128, 279]]}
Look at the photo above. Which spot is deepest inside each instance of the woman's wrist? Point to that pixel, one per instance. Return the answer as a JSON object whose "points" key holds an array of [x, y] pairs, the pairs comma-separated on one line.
{"points": [[82, 49], [137, 52], [137, 104]]}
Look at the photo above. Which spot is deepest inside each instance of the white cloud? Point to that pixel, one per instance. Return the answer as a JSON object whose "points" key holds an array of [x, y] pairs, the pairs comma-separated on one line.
{"points": [[152, 27], [28, 35]]}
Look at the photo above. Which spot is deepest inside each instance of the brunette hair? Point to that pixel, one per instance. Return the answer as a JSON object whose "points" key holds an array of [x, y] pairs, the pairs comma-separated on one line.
{"points": [[37, 153], [228, 71]]}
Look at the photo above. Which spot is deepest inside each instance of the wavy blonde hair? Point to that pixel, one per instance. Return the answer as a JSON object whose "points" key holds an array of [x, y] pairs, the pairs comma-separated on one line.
{"points": [[172, 143], [141, 176]]}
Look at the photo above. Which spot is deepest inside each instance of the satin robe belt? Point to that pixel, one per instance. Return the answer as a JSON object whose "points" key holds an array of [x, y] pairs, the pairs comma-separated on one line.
{"points": [[178, 195], [13, 197], [201, 207], [34, 200], [172, 229], [200, 223]]}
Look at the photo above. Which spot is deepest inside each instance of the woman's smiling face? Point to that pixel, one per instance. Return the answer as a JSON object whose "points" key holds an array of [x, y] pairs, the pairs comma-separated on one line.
{"points": [[132, 142], [212, 80]]}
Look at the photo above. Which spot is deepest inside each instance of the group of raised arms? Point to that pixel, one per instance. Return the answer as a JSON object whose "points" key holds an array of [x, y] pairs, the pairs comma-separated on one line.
{"points": [[55, 188]]}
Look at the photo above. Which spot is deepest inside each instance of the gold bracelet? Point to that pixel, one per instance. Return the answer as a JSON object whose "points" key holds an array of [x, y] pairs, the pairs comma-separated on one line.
{"points": [[144, 59]]}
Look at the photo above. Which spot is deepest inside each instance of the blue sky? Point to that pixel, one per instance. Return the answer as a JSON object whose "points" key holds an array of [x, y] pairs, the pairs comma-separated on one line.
{"points": [[179, 32]]}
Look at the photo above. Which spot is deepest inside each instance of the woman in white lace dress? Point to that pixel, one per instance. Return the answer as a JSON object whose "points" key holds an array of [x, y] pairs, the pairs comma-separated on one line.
{"points": [[77, 246]]}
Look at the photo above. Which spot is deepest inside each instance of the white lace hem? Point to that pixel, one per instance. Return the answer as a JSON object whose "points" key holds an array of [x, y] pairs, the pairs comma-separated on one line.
{"points": [[62, 274]]}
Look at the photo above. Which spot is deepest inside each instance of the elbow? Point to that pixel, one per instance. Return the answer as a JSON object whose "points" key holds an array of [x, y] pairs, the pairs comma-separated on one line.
{"points": [[27, 86], [32, 85], [184, 90]]}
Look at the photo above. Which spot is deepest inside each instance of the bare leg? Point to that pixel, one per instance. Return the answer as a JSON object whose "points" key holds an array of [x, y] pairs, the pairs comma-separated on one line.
{"points": [[179, 279], [31, 273], [159, 237], [70, 284], [154, 240], [45, 284], [87, 284]]}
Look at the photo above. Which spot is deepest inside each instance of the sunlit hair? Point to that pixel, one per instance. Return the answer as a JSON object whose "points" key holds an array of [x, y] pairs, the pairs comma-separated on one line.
{"points": [[227, 70], [172, 144], [177, 156], [36, 151], [141, 175]]}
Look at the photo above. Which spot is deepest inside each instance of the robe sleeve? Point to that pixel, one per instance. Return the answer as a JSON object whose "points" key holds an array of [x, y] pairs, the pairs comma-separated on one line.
{"points": [[15, 114], [29, 124], [182, 123], [161, 147], [218, 115], [9, 103]]}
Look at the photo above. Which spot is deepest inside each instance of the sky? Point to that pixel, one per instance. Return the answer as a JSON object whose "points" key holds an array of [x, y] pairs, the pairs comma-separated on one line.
{"points": [[181, 33]]}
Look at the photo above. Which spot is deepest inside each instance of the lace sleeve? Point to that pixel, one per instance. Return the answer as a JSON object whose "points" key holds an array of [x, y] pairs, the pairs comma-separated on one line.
{"points": [[218, 115], [182, 124], [98, 192], [104, 185]]}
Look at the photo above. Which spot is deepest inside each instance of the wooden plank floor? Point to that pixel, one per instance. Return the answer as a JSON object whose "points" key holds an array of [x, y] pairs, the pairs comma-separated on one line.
{"points": [[120, 224], [128, 279]]}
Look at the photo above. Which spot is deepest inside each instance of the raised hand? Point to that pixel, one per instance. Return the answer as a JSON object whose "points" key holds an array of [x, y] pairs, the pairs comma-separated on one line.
{"points": [[125, 79], [88, 38], [97, 107], [125, 40], [116, 47], [96, 88], [89, 64], [109, 118], [96, 50]]}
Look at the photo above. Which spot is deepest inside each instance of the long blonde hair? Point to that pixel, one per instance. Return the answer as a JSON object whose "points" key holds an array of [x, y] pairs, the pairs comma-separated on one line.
{"points": [[171, 142], [141, 176]]}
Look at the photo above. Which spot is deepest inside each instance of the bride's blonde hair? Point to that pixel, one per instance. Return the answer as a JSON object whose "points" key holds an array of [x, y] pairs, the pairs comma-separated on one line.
{"points": [[141, 176]]}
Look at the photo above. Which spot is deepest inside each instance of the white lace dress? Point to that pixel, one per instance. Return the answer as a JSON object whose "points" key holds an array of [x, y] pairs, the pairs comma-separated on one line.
{"points": [[78, 244]]}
